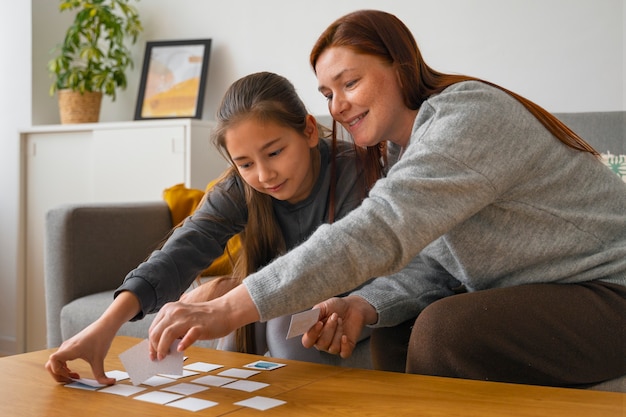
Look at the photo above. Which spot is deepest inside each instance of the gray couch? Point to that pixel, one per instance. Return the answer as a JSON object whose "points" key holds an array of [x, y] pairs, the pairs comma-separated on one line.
{"points": [[90, 247]]}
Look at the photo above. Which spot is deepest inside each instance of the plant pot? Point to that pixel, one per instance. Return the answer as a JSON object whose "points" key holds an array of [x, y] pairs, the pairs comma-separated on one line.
{"points": [[77, 107]]}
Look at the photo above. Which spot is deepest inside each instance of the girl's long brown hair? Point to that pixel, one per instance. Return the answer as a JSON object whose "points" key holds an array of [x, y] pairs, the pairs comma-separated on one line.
{"points": [[381, 34]]}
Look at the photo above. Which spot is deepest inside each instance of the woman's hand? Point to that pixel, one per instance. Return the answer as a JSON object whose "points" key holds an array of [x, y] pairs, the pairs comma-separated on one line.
{"points": [[340, 325], [210, 290], [200, 321]]}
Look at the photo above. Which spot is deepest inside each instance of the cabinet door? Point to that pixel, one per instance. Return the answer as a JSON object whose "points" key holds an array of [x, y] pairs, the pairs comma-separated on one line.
{"points": [[137, 164], [57, 171]]}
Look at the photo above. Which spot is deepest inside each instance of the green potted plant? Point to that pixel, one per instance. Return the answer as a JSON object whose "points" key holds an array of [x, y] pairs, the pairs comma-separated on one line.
{"points": [[94, 56]]}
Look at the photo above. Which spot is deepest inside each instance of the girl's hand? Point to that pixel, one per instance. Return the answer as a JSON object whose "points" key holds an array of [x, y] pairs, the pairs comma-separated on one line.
{"points": [[91, 345], [93, 342]]}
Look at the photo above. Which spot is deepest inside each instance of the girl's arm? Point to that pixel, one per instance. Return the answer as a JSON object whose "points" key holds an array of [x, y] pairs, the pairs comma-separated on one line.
{"points": [[93, 342], [210, 290], [190, 248]]}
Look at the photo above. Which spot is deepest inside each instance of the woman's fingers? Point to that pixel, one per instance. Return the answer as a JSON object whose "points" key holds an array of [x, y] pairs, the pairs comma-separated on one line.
{"points": [[188, 322], [310, 337], [335, 344], [328, 333], [347, 347], [161, 330]]}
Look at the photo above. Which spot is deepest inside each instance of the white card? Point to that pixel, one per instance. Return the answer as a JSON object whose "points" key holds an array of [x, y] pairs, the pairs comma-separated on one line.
{"points": [[203, 366], [192, 404], [118, 375], [261, 403], [124, 390], [248, 386], [137, 362], [215, 381], [158, 397], [87, 382], [302, 322], [238, 373], [155, 381], [81, 385], [185, 388], [186, 373]]}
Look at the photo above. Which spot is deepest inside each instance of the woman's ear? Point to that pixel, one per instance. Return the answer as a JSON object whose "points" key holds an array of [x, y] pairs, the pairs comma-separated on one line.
{"points": [[311, 131]]}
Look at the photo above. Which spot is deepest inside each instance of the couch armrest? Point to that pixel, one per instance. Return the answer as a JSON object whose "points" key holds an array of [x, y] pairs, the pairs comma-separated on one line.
{"points": [[90, 248]]}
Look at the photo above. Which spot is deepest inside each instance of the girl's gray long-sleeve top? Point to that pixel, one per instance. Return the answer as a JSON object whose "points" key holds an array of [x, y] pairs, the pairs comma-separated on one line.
{"points": [[201, 239], [483, 195]]}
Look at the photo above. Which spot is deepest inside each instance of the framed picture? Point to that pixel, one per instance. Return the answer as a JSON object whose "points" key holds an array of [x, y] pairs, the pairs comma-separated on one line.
{"points": [[173, 79]]}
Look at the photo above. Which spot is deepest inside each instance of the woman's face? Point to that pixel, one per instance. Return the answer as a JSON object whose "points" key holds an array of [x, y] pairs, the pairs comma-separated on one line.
{"points": [[364, 95], [274, 159]]}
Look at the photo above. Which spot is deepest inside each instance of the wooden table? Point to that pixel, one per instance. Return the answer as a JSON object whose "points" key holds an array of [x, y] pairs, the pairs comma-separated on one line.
{"points": [[309, 390]]}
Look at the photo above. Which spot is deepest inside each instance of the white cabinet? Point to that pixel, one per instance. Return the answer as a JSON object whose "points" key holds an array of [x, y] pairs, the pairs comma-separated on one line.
{"points": [[102, 162], [163, 148]]}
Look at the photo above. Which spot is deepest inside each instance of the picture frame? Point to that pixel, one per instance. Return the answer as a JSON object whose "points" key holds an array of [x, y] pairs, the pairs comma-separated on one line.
{"points": [[173, 79]]}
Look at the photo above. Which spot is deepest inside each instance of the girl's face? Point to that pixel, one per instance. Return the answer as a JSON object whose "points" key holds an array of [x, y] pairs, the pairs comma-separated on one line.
{"points": [[364, 96], [274, 159]]}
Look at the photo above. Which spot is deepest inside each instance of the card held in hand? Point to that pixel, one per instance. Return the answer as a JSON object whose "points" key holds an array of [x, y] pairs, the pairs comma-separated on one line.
{"points": [[302, 322], [140, 367]]}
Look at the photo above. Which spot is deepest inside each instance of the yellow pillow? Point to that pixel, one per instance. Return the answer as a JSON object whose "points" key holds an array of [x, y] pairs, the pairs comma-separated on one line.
{"points": [[182, 202]]}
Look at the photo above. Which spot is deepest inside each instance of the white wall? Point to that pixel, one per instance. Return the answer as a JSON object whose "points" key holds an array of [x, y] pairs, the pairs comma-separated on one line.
{"points": [[567, 55], [15, 107]]}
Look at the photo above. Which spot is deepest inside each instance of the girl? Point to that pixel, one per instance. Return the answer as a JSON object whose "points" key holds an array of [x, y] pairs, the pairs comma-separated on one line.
{"points": [[284, 182]]}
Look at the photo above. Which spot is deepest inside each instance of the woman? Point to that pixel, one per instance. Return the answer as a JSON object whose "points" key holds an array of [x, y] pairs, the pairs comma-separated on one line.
{"points": [[284, 182], [487, 195]]}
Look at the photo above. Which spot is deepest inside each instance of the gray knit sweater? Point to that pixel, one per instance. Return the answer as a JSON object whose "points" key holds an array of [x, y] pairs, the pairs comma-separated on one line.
{"points": [[482, 196]]}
